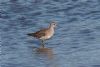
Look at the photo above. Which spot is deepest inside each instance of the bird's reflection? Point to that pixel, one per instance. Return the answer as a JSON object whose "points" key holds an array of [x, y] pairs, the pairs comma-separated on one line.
{"points": [[47, 52], [47, 56]]}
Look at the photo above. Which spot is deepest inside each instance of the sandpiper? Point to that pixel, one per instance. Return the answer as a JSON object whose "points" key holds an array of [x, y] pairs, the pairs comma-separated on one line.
{"points": [[44, 34]]}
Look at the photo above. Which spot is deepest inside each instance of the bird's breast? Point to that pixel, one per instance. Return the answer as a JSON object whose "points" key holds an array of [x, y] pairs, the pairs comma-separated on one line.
{"points": [[50, 33]]}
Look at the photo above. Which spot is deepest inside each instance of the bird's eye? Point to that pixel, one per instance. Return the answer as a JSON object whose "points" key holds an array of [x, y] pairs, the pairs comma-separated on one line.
{"points": [[54, 24]]}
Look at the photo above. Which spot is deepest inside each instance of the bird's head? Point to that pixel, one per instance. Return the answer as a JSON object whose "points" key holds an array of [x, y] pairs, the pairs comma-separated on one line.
{"points": [[53, 24]]}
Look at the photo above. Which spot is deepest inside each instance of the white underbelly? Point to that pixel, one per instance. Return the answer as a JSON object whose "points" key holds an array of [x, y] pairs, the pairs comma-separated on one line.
{"points": [[47, 36]]}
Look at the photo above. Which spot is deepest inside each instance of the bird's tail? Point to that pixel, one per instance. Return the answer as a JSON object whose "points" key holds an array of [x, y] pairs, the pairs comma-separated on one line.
{"points": [[30, 34]]}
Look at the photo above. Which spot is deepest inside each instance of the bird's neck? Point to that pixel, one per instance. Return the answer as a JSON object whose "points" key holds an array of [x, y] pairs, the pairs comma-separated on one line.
{"points": [[51, 27]]}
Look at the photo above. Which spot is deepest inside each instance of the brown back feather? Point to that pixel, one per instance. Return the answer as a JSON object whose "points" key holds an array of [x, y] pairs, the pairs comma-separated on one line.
{"points": [[38, 34]]}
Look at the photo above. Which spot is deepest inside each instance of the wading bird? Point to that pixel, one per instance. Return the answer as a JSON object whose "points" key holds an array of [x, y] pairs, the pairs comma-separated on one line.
{"points": [[44, 34]]}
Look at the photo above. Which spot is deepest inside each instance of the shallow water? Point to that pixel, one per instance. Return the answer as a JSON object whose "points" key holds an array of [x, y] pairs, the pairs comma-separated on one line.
{"points": [[76, 42]]}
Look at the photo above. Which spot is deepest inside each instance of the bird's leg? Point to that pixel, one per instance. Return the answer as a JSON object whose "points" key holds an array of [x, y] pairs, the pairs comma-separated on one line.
{"points": [[43, 43]]}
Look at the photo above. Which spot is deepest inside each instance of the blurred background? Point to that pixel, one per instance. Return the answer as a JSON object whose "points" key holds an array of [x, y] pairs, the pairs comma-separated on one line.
{"points": [[76, 42]]}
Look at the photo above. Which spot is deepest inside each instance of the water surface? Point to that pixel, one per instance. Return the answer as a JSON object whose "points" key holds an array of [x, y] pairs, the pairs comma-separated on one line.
{"points": [[76, 42]]}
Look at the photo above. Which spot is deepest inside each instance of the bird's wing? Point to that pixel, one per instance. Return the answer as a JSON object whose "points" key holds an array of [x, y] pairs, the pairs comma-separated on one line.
{"points": [[40, 33]]}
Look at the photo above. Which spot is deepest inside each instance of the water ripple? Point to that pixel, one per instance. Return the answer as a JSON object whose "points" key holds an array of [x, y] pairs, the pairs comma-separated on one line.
{"points": [[76, 40]]}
